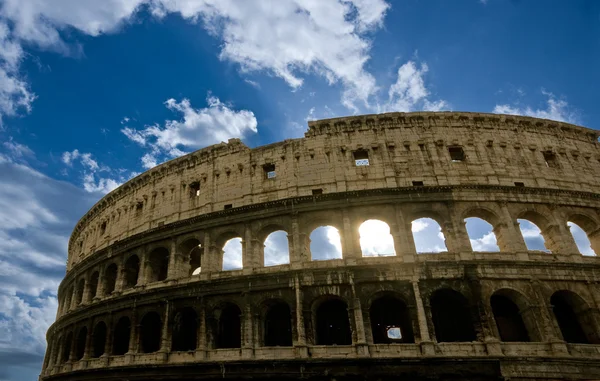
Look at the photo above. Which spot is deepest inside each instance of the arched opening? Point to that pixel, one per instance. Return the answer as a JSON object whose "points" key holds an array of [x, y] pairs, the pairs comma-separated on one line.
{"points": [[80, 345], [390, 321], [67, 299], [375, 239], [159, 264], [80, 289], [333, 323], [67, 347], [94, 284], [277, 249], [229, 334], [451, 316], [192, 250], [509, 321], [121, 336], [99, 340], [132, 271], [278, 325], [481, 234], [325, 243], [232, 254], [581, 239], [110, 278], [185, 327], [428, 236], [150, 333], [532, 235], [569, 311]]}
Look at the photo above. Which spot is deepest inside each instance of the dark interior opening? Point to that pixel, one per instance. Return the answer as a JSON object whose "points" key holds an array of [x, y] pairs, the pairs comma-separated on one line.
{"points": [[451, 317], [159, 264], [67, 347], [150, 333], [99, 340], [192, 249], [278, 326], [417, 183], [269, 170], [568, 321], [94, 284], [132, 270], [228, 206], [80, 345], [360, 154], [103, 228], [195, 189], [550, 159], [456, 153], [333, 324], [121, 336], [519, 184], [185, 326], [387, 313], [508, 319], [80, 289], [317, 192], [229, 333], [110, 279]]}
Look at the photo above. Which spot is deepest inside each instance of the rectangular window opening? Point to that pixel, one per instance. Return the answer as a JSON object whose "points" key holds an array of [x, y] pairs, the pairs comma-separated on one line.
{"points": [[269, 170], [195, 189], [550, 159], [361, 157], [417, 183], [103, 228], [316, 192], [519, 184], [457, 154], [228, 206]]}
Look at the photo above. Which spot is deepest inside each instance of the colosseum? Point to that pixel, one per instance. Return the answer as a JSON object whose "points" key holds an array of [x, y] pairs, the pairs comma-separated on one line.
{"points": [[151, 292]]}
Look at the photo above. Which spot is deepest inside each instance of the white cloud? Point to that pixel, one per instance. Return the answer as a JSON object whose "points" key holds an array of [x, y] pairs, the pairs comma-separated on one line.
{"points": [[428, 236], [419, 225], [410, 93], [16, 150], [277, 251], [199, 128], [92, 180], [232, 254], [375, 239], [485, 243], [581, 239], [556, 109]]}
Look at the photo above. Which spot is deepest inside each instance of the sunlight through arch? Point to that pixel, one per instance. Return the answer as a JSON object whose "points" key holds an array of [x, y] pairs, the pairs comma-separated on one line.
{"points": [[277, 249], [325, 243], [481, 234], [232, 254], [375, 239], [581, 239], [532, 235], [428, 236]]}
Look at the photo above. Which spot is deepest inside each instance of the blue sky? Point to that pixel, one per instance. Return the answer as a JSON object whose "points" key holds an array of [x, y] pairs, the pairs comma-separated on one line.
{"points": [[94, 92]]}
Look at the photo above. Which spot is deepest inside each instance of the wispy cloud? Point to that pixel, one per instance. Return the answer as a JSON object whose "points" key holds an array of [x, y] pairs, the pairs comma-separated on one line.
{"points": [[555, 109]]}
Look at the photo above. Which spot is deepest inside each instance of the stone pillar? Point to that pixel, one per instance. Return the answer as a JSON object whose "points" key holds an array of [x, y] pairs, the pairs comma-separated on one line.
{"points": [[201, 347], [247, 334], [351, 242], [142, 277], [88, 341], [404, 242], [508, 233], [175, 261], [455, 232], [165, 338], [248, 254], [427, 345], [133, 334], [549, 326], [561, 235], [295, 249], [87, 292], [258, 254], [362, 349], [101, 287], [300, 344], [73, 299], [108, 343]]}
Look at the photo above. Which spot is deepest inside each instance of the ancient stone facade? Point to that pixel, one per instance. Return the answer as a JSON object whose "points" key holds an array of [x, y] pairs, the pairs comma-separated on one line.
{"points": [[134, 306]]}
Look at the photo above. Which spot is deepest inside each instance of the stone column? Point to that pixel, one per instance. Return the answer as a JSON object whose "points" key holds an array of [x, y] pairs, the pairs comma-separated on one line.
{"points": [[87, 292], [560, 234], [247, 343], [175, 261], [100, 288], [404, 242], [88, 341], [362, 349], [201, 347], [142, 277], [165, 338], [455, 232], [427, 345], [248, 254], [294, 242], [133, 334], [300, 345], [351, 242], [549, 326], [108, 342], [508, 233]]}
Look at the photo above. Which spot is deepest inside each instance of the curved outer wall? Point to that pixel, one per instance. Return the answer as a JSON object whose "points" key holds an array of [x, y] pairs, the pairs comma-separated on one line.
{"points": [[511, 167]]}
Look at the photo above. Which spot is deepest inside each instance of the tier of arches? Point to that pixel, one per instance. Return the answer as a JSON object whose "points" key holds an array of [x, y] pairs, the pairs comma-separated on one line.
{"points": [[372, 233], [392, 318]]}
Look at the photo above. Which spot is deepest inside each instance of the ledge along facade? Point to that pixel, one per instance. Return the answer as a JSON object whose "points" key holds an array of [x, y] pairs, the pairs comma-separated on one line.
{"points": [[146, 295]]}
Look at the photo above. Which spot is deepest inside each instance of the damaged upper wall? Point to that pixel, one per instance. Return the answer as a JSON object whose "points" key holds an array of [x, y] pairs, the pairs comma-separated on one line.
{"points": [[402, 149]]}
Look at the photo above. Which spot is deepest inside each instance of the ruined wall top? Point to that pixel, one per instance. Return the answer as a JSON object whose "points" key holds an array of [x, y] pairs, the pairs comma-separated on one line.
{"points": [[402, 148]]}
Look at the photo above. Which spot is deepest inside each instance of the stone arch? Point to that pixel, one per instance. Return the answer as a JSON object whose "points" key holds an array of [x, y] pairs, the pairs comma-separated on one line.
{"points": [[575, 319], [325, 243], [275, 247], [428, 233], [99, 339], [277, 324], [79, 291], [534, 229], [185, 328], [332, 321], [150, 332], [121, 336], [589, 242], [110, 278], [131, 271], [80, 343], [514, 320], [158, 264], [192, 251], [390, 320], [228, 330], [94, 279], [451, 316], [376, 239], [67, 346]]}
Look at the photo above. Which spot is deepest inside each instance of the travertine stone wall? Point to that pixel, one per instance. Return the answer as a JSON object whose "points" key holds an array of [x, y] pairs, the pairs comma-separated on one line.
{"points": [[513, 168]]}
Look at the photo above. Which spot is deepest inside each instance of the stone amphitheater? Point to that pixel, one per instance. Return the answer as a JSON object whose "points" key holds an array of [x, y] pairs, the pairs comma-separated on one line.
{"points": [[146, 295]]}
